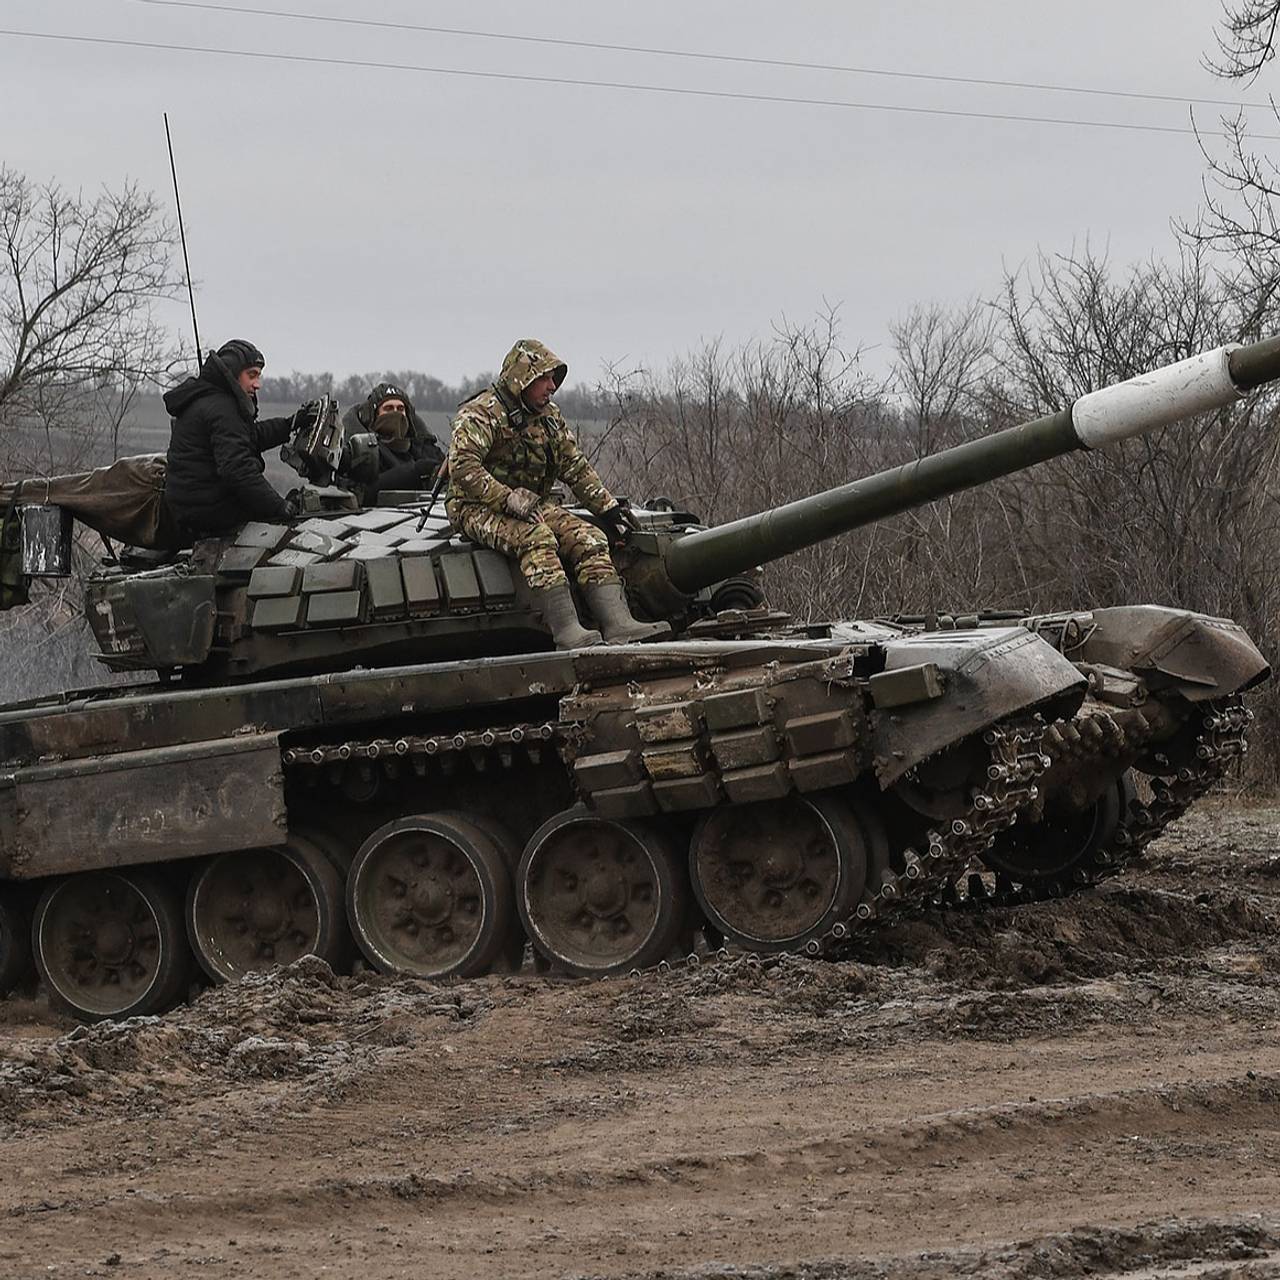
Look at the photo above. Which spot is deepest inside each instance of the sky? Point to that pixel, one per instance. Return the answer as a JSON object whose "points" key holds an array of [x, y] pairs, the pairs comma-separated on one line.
{"points": [[354, 218]]}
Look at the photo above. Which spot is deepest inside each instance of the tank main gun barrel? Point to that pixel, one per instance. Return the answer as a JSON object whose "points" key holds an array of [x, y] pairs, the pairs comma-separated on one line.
{"points": [[1210, 380]]}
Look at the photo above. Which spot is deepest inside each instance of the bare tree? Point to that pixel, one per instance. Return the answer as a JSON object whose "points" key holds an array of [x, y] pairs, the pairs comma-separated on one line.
{"points": [[943, 359], [1246, 40], [1239, 219], [1142, 516], [727, 433], [79, 280], [80, 277]]}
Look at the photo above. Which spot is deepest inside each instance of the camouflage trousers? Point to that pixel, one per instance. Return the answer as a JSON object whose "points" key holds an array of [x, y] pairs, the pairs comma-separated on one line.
{"points": [[538, 547]]}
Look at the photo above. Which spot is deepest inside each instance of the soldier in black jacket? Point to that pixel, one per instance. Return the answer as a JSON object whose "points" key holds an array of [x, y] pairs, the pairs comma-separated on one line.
{"points": [[214, 479], [408, 455]]}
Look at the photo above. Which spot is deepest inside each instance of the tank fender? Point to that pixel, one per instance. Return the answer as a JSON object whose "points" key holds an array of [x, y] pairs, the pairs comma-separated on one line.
{"points": [[966, 680], [162, 619], [153, 805], [176, 617], [1201, 656]]}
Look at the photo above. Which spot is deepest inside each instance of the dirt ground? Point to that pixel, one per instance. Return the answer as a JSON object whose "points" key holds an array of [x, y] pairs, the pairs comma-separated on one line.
{"points": [[1089, 1087]]}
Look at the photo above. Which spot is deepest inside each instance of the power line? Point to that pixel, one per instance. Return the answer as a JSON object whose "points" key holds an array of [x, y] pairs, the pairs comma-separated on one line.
{"points": [[742, 60], [671, 90]]}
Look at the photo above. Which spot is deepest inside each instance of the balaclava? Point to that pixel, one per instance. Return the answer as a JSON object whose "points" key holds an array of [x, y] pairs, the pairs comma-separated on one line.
{"points": [[392, 428]]}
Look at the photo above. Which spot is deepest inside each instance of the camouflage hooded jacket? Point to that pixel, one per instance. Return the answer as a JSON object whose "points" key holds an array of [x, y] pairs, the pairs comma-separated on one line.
{"points": [[499, 444]]}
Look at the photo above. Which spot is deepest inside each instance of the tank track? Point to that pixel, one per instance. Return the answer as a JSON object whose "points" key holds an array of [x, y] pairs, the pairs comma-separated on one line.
{"points": [[945, 852], [1015, 761], [416, 750], [1220, 738]]}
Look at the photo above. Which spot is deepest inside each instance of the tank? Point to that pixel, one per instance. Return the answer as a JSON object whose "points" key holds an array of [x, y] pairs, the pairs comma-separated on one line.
{"points": [[361, 744]]}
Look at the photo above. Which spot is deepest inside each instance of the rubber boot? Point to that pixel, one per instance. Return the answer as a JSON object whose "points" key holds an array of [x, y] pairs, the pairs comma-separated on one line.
{"points": [[561, 616], [609, 608]]}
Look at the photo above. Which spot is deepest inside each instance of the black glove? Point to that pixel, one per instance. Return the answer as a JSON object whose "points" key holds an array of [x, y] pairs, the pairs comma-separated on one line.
{"points": [[619, 521], [293, 503]]}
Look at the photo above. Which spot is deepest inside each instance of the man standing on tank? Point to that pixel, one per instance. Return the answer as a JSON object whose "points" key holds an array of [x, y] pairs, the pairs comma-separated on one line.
{"points": [[510, 445], [214, 477]]}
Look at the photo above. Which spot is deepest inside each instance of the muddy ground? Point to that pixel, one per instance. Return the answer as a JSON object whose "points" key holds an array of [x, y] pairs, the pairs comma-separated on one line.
{"points": [[1089, 1087]]}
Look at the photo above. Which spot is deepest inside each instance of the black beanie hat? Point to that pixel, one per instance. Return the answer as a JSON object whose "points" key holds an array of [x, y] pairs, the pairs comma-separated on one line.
{"points": [[239, 355], [386, 391]]}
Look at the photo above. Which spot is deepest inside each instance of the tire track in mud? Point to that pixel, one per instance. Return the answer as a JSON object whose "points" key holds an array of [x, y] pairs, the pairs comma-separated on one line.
{"points": [[1180, 1112]]}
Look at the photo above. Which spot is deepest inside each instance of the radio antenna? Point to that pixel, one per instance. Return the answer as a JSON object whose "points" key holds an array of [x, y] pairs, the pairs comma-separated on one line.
{"points": [[182, 232]]}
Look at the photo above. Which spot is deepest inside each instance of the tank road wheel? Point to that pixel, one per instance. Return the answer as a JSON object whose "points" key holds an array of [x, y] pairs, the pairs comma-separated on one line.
{"points": [[110, 944], [255, 908], [430, 896], [15, 942], [599, 896], [1060, 852], [772, 875]]}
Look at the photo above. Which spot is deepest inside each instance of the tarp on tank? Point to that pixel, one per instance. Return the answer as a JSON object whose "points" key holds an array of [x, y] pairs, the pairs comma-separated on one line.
{"points": [[123, 501]]}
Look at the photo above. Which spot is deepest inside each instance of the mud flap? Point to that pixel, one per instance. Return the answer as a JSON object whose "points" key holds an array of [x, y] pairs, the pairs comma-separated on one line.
{"points": [[143, 806]]}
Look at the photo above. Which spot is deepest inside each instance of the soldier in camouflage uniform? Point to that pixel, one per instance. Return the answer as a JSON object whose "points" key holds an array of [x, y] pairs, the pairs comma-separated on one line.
{"points": [[510, 445]]}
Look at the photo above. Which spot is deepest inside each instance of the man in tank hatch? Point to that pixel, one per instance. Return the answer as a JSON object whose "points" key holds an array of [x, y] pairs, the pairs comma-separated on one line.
{"points": [[510, 445], [408, 455], [214, 478]]}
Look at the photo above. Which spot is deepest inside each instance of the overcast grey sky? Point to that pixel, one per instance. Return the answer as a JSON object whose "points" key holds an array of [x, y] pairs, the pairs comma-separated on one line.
{"points": [[351, 218]]}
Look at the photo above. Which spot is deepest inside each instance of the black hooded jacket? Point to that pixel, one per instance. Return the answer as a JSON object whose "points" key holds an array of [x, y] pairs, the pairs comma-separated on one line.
{"points": [[396, 470], [214, 479]]}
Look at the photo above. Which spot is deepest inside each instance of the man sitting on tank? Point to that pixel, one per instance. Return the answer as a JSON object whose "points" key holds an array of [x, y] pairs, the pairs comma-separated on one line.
{"points": [[510, 445], [408, 455], [214, 479]]}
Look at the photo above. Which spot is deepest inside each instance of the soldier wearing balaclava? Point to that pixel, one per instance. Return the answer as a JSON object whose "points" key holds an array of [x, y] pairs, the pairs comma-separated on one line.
{"points": [[408, 455]]}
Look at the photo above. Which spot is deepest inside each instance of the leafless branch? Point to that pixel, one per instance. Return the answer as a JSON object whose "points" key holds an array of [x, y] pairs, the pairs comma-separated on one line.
{"points": [[1246, 39]]}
